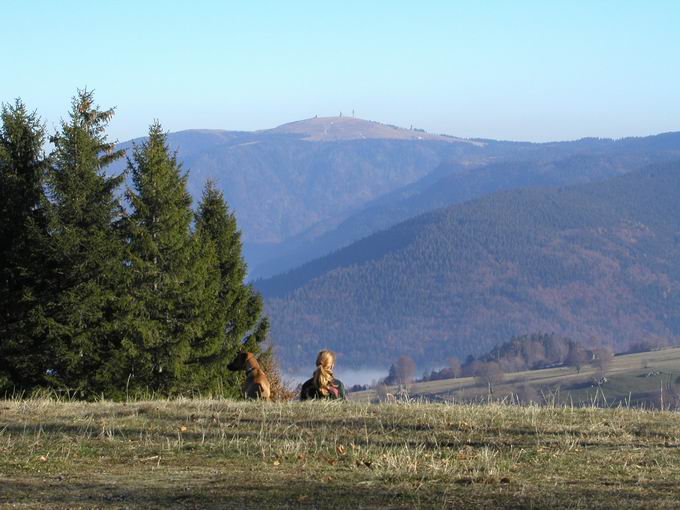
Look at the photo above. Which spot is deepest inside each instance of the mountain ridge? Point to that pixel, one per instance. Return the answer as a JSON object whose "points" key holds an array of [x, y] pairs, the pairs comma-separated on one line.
{"points": [[321, 129], [290, 195], [278, 185], [452, 183]]}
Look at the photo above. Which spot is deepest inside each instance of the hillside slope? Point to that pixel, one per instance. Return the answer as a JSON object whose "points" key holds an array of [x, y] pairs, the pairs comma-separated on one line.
{"points": [[283, 181], [590, 261], [520, 166], [643, 379], [447, 185], [292, 185]]}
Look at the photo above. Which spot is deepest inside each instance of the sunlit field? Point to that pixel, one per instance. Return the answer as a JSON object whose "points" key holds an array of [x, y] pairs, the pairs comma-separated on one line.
{"points": [[226, 454], [645, 379]]}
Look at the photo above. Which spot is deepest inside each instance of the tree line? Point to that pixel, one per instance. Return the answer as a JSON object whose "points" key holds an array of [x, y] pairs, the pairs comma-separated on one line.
{"points": [[112, 284], [526, 352]]}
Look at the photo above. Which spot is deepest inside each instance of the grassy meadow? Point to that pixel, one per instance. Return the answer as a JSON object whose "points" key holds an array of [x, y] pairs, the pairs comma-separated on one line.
{"points": [[633, 380], [227, 454]]}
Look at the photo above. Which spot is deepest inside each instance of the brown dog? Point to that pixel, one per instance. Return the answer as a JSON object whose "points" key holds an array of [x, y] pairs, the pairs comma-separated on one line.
{"points": [[257, 384]]}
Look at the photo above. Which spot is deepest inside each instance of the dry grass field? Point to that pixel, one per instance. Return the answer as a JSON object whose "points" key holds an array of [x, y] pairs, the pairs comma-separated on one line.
{"points": [[226, 454]]}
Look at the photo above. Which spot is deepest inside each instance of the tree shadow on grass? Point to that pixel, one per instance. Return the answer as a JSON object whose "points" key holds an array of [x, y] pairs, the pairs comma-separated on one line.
{"points": [[204, 494], [226, 491]]}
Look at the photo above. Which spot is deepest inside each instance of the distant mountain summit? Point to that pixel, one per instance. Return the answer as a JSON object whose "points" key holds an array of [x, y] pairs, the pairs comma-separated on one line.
{"points": [[283, 181], [333, 129]]}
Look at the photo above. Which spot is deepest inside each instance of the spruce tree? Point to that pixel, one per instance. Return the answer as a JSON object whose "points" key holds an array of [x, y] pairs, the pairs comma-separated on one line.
{"points": [[84, 312], [206, 362], [237, 322], [23, 356], [171, 283]]}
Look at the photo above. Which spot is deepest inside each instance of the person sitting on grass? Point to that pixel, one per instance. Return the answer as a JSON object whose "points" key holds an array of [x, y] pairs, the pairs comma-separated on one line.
{"points": [[323, 385]]}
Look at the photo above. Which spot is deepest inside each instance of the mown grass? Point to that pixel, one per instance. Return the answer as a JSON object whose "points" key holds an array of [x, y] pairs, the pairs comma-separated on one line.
{"points": [[226, 454]]}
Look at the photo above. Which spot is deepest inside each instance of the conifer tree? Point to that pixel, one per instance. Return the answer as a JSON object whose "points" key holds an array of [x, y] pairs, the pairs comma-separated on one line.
{"points": [[84, 311], [238, 308], [23, 358], [171, 283], [206, 363]]}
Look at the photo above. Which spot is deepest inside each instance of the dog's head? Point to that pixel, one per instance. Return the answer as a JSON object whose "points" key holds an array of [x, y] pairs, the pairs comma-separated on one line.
{"points": [[240, 362]]}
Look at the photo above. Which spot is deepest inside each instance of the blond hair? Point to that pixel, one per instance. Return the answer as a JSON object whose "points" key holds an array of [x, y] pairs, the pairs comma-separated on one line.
{"points": [[323, 375]]}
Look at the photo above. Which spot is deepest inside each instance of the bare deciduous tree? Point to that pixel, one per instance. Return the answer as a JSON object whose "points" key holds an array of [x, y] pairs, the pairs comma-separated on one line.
{"points": [[402, 371], [602, 360], [405, 369], [455, 367], [576, 358], [490, 373]]}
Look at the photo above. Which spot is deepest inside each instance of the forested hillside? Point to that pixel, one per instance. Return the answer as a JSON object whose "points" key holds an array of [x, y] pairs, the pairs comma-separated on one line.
{"points": [[518, 166], [595, 262], [307, 188]]}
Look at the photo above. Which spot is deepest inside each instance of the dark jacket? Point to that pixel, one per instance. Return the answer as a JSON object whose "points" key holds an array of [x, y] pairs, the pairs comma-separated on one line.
{"points": [[310, 392]]}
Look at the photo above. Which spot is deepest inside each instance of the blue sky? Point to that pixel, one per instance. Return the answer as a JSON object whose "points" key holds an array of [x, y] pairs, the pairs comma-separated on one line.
{"points": [[507, 69]]}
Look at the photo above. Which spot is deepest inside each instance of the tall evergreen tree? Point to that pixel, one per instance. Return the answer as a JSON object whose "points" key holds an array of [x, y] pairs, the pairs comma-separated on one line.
{"points": [[238, 309], [88, 249], [171, 283], [23, 166]]}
